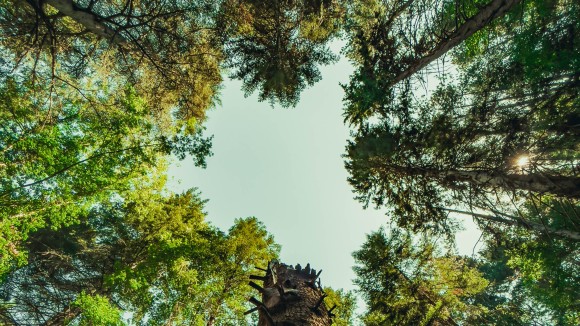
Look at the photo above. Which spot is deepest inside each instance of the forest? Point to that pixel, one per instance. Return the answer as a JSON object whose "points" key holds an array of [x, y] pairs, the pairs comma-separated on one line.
{"points": [[456, 108]]}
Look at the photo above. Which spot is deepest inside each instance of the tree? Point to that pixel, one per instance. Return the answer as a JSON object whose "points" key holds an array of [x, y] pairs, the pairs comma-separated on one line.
{"points": [[61, 155], [166, 50], [422, 168], [172, 52], [486, 14], [344, 303], [406, 282], [391, 41], [539, 268], [293, 295], [275, 46], [148, 255], [407, 279], [464, 144]]}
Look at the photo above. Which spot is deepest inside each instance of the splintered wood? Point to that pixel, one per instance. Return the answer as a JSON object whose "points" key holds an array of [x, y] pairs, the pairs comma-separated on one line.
{"points": [[291, 296]]}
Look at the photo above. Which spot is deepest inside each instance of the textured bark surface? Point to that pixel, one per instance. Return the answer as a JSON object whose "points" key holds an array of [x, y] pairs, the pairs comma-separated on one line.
{"points": [[518, 221], [291, 296], [564, 186]]}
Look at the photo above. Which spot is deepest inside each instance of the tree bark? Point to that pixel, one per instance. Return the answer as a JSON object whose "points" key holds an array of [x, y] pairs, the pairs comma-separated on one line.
{"points": [[493, 10], [562, 186], [516, 221], [90, 20], [291, 297]]}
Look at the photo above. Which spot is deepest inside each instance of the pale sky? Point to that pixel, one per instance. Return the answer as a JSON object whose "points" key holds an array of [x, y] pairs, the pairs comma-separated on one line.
{"points": [[284, 166]]}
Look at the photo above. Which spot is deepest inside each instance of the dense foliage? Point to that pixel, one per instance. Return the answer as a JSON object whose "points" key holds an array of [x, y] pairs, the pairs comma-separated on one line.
{"points": [[96, 93], [412, 280], [457, 108], [147, 254], [481, 123]]}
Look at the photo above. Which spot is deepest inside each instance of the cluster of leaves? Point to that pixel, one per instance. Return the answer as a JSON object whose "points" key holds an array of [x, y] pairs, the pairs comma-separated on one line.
{"points": [[343, 304], [406, 282], [61, 155], [160, 48]]}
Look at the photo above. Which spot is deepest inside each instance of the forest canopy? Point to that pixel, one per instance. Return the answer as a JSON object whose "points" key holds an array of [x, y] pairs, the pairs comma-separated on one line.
{"points": [[457, 108]]}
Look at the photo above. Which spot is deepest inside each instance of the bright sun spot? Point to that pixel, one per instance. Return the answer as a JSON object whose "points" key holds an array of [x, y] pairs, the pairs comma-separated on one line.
{"points": [[522, 161]]}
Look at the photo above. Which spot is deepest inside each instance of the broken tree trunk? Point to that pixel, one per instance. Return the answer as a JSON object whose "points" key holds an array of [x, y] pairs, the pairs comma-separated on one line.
{"points": [[291, 296]]}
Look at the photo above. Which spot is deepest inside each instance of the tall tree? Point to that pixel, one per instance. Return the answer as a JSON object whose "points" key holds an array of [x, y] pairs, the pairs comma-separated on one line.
{"points": [[392, 40], [406, 282], [499, 131], [275, 46], [60, 155], [421, 168], [148, 255], [410, 280], [538, 268], [166, 50]]}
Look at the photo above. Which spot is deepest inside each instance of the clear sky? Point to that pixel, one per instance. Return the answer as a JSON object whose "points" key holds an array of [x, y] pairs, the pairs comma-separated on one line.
{"points": [[284, 166]]}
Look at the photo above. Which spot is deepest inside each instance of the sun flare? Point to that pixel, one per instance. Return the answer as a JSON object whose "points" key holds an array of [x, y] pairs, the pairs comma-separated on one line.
{"points": [[523, 161]]}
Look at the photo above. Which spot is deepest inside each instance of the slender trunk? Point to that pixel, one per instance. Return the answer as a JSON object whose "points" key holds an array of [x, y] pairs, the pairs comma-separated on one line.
{"points": [[517, 221], [493, 10], [563, 186], [291, 296], [534, 182], [90, 20]]}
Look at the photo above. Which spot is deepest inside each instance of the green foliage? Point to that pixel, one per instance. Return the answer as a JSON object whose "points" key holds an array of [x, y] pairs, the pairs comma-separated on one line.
{"points": [[518, 279], [459, 145], [530, 289], [407, 282], [546, 266], [276, 46], [344, 304], [165, 50], [88, 113], [512, 92], [390, 41], [61, 155], [153, 255], [97, 310]]}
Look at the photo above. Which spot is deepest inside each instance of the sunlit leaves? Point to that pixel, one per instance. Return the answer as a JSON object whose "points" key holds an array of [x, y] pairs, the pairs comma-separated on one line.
{"points": [[152, 256], [61, 154]]}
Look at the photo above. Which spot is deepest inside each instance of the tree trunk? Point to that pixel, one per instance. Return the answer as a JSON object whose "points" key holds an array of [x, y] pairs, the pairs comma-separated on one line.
{"points": [[90, 20], [291, 297], [516, 221], [562, 186], [493, 10]]}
